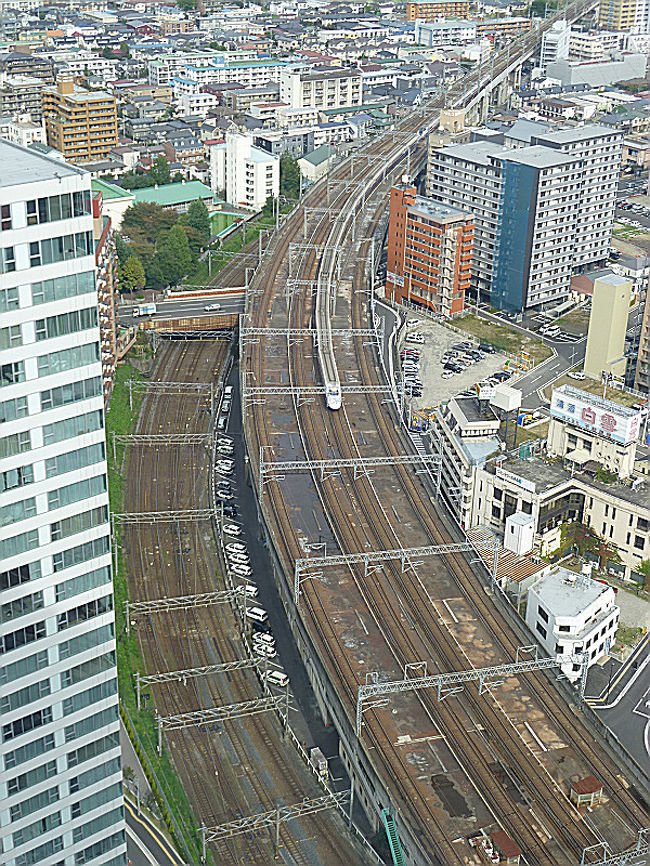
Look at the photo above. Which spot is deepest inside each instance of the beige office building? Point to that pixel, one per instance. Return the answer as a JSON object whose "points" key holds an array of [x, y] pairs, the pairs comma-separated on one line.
{"points": [[607, 326]]}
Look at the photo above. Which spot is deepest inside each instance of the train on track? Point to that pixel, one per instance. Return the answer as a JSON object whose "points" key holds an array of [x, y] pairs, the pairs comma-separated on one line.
{"points": [[326, 359]]}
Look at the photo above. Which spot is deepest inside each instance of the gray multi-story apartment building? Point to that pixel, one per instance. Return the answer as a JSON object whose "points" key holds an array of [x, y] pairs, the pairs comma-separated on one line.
{"points": [[20, 94], [60, 781], [542, 211], [598, 150]]}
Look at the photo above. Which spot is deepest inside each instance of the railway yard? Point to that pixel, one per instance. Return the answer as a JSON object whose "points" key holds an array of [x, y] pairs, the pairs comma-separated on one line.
{"points": [[449, 767], [243, 766]]}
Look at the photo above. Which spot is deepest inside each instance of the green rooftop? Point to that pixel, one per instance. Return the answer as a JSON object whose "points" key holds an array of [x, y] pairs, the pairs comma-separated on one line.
{"points": [[109, 190], [173, 194], [320, 155]]}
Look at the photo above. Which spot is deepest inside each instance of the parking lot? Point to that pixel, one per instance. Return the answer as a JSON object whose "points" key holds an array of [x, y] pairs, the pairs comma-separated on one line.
{"points": [[439, 340], [634, 211]]}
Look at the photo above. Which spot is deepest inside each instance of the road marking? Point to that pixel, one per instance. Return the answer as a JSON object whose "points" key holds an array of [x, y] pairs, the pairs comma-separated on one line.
{"points": [[620, 673], [628, 686], [161, 841], [133, 836]]}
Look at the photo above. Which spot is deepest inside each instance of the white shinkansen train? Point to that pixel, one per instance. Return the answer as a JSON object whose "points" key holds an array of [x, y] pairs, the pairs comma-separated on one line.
{"points": [[326, 279], [326, 348]]}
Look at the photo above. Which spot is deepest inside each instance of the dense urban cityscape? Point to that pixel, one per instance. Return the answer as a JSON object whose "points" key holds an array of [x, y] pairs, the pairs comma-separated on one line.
{"points": [[325, 539]]}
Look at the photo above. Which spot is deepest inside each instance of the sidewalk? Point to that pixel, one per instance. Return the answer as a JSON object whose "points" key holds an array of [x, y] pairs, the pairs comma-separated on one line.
{"points": [[130, 759]]}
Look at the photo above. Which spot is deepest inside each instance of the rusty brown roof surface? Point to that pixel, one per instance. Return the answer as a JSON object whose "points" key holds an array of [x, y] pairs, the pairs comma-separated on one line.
{"points": [[588, 785], [510, 565], [507, 846]]}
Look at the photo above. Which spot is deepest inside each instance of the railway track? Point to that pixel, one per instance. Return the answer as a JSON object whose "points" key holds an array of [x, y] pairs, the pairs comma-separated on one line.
{"points": [[222, 782], [322, 433], [388, 616]]}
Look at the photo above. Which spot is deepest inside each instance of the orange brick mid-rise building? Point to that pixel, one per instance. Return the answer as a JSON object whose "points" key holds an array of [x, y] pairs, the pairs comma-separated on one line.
{"points": [[429, 252], [431, 11]]}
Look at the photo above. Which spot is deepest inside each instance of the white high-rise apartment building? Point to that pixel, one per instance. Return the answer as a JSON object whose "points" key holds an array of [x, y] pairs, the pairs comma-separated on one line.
{"points": [[598, 150], [247, 174], [60, 772], [555, 44]]}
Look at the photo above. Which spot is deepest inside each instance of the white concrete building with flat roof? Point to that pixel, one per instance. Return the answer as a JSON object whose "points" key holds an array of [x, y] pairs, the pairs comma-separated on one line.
{"points": [[571, 614], [248, 174], [61, 777], [320, 88], [555, 44]]}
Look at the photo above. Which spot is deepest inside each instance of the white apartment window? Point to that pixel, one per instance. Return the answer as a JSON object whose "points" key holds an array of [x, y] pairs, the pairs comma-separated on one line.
{"points": [[60, 249], [58, 207], [8, 300], [7, 260]]}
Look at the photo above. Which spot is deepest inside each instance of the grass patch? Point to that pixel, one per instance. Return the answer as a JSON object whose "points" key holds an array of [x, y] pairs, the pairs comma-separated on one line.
{"points": [[503, 338], [575, 322], [530, 434], [626, 231], [221, 221], [628, 635], [121, 419]]}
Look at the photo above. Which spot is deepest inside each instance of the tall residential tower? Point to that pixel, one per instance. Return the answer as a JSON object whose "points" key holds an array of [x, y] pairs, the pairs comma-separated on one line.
{"points": [[60, 782], [543, 211]]}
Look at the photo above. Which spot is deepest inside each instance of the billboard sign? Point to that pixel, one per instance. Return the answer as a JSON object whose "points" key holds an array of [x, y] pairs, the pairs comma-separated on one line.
{"points": [[600, 417], [395, 279], [517, 480]]}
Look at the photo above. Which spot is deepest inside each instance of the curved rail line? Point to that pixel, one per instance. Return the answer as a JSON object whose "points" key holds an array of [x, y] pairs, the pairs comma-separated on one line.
{"points": [[572, 832]]}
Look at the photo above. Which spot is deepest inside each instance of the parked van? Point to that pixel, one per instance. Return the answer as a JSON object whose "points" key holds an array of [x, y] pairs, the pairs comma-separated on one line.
{"points": [[228, 391], [251, 590], [257, 614], [277, 678], [264, 650], [238, 559]]}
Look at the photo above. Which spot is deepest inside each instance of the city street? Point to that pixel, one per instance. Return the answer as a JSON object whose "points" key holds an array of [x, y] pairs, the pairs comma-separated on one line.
{"points": [[145, 846], [189, 308], [625, 705]]}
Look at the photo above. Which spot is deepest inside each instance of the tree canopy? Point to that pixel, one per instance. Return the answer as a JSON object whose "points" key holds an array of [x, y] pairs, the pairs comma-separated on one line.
{"points": [[165, 244], [198, 218], [289, 176], [159, 171], [131, 275]]}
